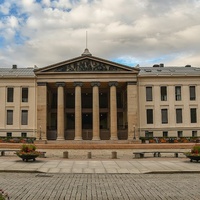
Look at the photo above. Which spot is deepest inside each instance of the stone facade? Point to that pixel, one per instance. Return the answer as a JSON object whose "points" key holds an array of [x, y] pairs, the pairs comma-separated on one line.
{"points": [[89, 98]]}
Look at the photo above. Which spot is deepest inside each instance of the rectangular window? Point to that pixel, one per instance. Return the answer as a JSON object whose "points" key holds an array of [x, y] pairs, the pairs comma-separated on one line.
{"points": [[178, 93], [148, 134], [194, 133], [9, 117], [165, 133], [192, 93], [149, 113], [24, 117], [24, 94], [149, 96], [180, 133], [9, 134], [10, 94], [164, 115], [193, 115], [23, 134], [163, 92], [178, 115]]}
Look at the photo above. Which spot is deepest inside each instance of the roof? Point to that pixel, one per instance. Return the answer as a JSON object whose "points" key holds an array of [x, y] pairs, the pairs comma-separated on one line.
{"points": [[169, 71], [19, 72]]}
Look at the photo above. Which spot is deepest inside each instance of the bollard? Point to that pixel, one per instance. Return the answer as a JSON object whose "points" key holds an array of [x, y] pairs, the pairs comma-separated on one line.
{"points": [[114, 155], [89, 155], [65, 154]]}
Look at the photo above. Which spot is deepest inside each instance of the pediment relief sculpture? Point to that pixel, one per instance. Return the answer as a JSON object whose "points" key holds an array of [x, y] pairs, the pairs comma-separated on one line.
{"points": [[87, 65]]}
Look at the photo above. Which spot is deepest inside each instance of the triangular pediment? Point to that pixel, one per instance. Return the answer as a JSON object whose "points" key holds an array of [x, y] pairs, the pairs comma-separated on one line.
{"points": [[86, 64]]}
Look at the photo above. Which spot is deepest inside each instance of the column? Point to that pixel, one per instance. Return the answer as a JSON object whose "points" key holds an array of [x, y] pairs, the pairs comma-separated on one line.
{"points": [[60, 111], [113, 110], [132, 110], [78, 111], [95, 109], [42, 110]]}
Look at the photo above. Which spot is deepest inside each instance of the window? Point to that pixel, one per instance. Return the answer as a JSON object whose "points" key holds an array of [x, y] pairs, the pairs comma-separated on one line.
{"points": [[24, 117], [165, 133], [10, 94], [163, 92], [9, 117], [178, 115], [193, 115], [164, 115], [9, 134], [23, 134], [24, 94], [178, 93], [149, 116], [148, 134], [149, 94], [180, 133], [194, 133], [192, 93]]}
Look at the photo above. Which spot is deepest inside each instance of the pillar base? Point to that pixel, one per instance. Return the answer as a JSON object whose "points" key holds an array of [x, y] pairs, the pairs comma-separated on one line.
{"points": [[96, 138], [113, 138], [60, 138], [78, 138]]}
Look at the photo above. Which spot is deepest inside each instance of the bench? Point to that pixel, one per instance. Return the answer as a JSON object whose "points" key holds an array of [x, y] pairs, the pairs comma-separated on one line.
{"points": [[6, 150], [155, 153], [42, 153]]}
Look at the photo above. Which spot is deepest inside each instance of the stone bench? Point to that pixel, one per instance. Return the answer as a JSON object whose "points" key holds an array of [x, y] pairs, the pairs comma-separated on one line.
{"points": [[6, 150], [156, 153]]}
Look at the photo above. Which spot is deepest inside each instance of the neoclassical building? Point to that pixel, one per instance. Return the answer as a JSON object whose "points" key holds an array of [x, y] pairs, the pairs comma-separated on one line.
{"points": [[90, 98]]}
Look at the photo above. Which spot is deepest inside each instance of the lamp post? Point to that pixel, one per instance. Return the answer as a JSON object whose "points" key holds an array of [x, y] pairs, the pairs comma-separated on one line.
{"points": [[40, 133], [134, 132]]}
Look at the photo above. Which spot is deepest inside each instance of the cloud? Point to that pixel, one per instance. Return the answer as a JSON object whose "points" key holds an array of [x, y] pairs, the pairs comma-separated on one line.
{"points": [[43, 32]]}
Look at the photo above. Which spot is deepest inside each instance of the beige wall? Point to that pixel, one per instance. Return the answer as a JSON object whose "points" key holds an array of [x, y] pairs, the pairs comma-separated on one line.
{"points": [[17, 105], [171, 104]]}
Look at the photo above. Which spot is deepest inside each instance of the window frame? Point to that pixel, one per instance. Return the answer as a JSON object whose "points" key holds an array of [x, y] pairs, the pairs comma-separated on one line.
{"points": [[24, 117], [164, 116], [163, 93], [192, 92], [9, 117], [193, 120], [25, 94], [179, 119], [149, 93], [149, 119], [178, 96], [10, 94]]}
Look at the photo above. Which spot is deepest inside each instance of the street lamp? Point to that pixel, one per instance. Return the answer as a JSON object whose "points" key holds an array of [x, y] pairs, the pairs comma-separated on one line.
{"points": [[134, 132], [40, 133]]}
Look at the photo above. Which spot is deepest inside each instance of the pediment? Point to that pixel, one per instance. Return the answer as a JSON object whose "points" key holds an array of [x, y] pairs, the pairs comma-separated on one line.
{"points": [[86, 64]]}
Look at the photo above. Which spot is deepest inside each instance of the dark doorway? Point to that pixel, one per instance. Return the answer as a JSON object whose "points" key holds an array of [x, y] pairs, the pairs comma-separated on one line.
{"points": [[87, 120]]}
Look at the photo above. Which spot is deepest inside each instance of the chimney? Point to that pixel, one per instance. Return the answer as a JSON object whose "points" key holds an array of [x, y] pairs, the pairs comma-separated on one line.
{"points": [[156, 65], [161, 64], [187, 65], [14, 66]]}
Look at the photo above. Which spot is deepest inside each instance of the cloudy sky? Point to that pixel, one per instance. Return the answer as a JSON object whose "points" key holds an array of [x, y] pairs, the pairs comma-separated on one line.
{"points": [[131, 32]]}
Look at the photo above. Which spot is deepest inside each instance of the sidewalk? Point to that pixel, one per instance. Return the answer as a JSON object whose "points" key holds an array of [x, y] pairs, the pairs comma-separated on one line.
{"points": [[133, 166]]}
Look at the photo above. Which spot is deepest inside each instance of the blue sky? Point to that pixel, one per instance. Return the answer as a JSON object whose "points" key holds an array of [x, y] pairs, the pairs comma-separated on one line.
{"points": [[131, 32]]}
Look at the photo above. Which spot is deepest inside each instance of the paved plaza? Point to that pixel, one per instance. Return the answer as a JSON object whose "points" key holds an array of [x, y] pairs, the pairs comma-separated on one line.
{"points": [[100, 177], [133, 166], [37, 186]]}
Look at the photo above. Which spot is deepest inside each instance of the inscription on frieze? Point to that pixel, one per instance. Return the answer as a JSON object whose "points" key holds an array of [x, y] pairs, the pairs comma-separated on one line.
{"points": [[87, 65]]}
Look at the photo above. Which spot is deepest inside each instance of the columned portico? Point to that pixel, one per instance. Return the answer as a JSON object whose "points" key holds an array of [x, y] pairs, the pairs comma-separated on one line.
{"points": [[78, 111], [60, 111], [87, 98], [113, 110], [95, 106]]}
